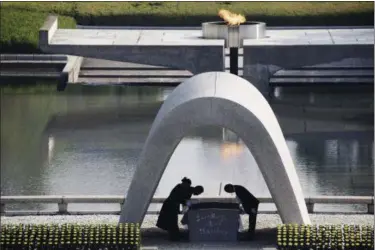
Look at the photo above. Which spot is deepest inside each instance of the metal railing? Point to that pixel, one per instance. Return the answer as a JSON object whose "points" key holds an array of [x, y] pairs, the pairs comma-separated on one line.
{"points": [[64, 200]]}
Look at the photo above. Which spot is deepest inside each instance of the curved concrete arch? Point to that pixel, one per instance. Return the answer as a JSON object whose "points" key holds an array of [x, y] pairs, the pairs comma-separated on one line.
{"points": [[221, 99]]}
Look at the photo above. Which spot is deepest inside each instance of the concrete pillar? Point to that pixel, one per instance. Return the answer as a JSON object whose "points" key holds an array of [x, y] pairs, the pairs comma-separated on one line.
{"points": [[370, 208], [47, 31], [310, 207], [259, 75], [63, 208]]}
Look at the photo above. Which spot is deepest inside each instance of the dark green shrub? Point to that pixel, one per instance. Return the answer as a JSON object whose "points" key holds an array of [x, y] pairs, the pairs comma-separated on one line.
{"points": [[325, 237], [70, 236]]}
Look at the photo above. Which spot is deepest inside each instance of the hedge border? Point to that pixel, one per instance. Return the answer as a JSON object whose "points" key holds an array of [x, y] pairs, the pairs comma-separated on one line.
{"points": [[306, 237], [70, 236]]}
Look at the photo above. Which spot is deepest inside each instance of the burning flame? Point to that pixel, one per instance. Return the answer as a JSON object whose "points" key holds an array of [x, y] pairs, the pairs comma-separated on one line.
{"points": [[230, 18], [229, 150]]}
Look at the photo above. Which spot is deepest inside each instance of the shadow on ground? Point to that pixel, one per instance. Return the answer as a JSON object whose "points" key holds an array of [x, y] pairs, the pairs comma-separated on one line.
{"points": [[263, 238]]}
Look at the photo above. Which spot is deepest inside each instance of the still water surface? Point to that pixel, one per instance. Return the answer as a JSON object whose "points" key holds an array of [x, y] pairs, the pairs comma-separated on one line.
{"points": [[86, 140]]}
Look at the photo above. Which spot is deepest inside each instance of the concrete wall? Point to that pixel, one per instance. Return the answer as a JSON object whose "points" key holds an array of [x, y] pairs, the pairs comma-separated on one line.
{"points": [[261, 62], [196, 59]]}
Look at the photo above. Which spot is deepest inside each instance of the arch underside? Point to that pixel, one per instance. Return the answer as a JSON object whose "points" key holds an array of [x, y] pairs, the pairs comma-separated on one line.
{"points": [[226, 100]]}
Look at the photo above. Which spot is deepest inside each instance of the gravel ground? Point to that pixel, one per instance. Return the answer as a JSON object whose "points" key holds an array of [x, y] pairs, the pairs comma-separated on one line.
{"points": [[263, 220]]}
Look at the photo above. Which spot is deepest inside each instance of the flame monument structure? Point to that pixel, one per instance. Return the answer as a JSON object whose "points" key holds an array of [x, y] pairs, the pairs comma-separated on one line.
{"points": [[226, 100]]}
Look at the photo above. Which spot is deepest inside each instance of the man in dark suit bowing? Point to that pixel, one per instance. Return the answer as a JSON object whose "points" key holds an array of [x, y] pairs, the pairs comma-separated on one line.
{"points": [[249, 203]]}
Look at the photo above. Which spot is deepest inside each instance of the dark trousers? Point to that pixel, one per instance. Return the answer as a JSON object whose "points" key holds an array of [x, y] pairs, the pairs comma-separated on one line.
{"points": [[252, 222], [174, 231]]}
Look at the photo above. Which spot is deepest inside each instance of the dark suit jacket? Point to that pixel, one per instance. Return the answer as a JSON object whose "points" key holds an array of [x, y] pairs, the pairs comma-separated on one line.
{"points": [[248, 200]]}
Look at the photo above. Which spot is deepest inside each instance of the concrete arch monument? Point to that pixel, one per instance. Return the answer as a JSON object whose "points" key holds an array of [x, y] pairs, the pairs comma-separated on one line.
{"points": [[221, 99]]}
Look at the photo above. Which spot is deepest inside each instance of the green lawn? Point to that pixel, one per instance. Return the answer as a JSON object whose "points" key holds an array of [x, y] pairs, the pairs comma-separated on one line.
{"points": [[19, 29], [20, 21]]}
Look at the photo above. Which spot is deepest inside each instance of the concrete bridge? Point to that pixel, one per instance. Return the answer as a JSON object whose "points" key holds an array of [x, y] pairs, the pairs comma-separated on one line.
{"points": [[186, 49]]}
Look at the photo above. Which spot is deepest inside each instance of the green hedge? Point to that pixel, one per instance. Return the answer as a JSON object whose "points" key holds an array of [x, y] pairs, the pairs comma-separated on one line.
{"points": [[70, 236], [322, 237], [194, 13], [20, 21]]}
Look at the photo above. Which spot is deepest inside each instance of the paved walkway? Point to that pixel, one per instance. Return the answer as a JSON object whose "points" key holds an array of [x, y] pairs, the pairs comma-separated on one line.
{"points": [[194, 37]]}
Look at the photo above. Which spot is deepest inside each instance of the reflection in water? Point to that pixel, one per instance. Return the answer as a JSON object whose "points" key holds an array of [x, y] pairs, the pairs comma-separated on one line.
{"points": [[87, 140], [51, 147], [230, 150]]}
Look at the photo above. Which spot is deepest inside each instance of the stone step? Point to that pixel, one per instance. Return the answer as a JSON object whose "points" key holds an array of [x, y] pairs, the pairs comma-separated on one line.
{"points": [[30, 70], [30, 74], [305, 81], [93, 63], [32, 62], [32, 57], [101, 64], [46, 66], [325, 73], [135, 73], [139, 81]]}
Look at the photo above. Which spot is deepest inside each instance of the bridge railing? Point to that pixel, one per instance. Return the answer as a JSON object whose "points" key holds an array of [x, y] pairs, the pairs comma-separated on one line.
{"points": [[64, 200]]}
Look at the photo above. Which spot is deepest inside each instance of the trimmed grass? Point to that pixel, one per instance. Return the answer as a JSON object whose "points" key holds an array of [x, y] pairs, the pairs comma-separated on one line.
{"points": [[20, 21], [19, 29]]}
